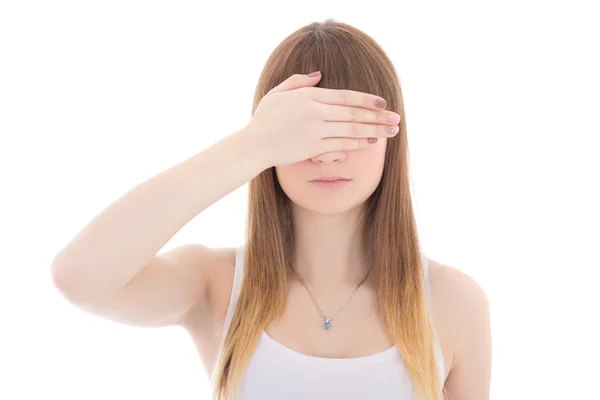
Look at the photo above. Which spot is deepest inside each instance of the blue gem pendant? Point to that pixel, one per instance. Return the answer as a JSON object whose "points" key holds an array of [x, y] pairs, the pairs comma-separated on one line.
{"points": [[327, 324]]}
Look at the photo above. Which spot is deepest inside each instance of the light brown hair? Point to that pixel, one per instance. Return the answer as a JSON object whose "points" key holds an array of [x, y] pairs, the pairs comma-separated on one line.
{"points": [[348, 59]]}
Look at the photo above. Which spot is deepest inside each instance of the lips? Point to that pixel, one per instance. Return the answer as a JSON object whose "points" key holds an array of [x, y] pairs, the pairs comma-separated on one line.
{"points": [[330, 182], [330, 179]]}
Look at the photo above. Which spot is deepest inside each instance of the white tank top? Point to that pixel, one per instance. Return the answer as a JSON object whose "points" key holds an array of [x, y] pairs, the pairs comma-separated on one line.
{"points": [[276, 372]]}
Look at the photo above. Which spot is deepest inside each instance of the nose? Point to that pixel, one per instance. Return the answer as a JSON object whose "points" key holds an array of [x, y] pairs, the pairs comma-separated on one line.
{"points": [[329, 158]]}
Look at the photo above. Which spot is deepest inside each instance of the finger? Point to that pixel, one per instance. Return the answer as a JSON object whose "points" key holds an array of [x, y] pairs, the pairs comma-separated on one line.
{"points": [[346, 144], [357, 130], [333, 113], [346, 97], [296, 81]]}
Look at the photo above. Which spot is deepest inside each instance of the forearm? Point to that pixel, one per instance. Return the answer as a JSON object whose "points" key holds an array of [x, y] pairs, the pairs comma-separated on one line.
{"points": [[112, 248]]}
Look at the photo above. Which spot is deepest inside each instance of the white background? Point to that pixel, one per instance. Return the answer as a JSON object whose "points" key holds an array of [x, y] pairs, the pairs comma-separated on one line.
{"points": [[501, 107]]}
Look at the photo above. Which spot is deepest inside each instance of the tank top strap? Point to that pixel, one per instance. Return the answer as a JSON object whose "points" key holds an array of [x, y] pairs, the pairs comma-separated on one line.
{"points": [[238, 275]]}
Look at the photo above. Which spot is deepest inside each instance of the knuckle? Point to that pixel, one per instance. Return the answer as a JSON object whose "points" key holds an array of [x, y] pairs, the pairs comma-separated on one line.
{"points": [[343, 97], [354, 129], [353, 113], [379, 116], [307, 93], [366, 101]]}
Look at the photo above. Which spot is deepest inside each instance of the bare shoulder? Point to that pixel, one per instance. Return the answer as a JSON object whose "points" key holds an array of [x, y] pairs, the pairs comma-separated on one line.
{"points": [[451, 281], [462, 310], [458, 298]]}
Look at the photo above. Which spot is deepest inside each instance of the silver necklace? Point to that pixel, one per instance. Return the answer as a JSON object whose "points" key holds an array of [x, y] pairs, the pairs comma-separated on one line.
{"points": [[328, 320]]}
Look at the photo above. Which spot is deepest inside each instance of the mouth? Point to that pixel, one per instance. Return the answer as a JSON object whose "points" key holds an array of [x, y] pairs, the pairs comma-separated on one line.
{"points": [[330, 182], [330, 179]]}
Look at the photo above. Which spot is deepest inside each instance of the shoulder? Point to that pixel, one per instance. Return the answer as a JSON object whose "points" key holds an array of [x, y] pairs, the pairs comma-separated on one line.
{"points": [[462, 308], [456, 286]]}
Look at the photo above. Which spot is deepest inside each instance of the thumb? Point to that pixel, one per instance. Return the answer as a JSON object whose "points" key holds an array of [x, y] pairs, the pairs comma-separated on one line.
{"points": [[296, 81]]}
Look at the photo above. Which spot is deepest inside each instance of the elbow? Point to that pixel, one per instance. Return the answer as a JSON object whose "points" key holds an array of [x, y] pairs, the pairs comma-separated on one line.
{"points": [[59, 273], [65, 279]]}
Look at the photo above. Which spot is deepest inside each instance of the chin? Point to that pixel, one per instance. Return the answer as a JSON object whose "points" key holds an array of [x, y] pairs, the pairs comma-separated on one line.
{"points": [[328, 204], [327, 201], [326, 208]]}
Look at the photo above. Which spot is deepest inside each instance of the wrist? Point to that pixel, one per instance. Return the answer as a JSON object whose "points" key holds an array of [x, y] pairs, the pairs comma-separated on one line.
{"points": [[250, 146]]}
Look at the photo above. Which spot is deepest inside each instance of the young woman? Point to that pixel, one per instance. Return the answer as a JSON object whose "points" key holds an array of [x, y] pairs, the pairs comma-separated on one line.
{"points": [[331, 296]]}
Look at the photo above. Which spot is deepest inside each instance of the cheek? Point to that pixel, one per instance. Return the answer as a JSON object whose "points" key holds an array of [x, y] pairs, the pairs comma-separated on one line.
{"points": [[291, 175], [369, 165], [370, 160]]}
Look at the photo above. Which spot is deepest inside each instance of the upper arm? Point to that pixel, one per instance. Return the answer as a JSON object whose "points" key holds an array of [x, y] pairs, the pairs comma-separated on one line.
{"points": [[166, 291], [467, 323]]}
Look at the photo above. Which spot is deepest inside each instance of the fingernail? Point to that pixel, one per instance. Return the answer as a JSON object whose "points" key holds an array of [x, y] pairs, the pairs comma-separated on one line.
{"points": [[380, 103], [394, 118], [313, 74], [372, 140]]}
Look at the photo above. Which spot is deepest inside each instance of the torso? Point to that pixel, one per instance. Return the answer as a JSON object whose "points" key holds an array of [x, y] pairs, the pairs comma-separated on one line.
{"points": [[356, 332]]}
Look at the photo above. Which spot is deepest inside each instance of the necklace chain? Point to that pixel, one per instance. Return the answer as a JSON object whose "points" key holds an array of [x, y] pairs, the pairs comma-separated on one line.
{"points": [[329, 319]]}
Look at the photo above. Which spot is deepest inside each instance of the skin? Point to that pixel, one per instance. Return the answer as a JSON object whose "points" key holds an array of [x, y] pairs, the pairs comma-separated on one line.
{"points": [[330, 265], [190, 285], [326, 219]]}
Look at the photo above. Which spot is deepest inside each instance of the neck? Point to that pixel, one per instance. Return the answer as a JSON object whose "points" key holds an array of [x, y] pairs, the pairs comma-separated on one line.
{"points": [[328, 249]]}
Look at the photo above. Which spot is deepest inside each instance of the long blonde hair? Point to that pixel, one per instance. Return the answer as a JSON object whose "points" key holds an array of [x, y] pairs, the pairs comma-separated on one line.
{"points": [[347, 59]]}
